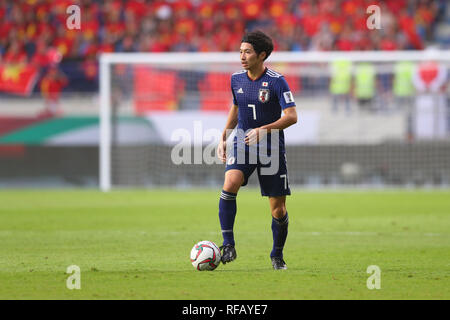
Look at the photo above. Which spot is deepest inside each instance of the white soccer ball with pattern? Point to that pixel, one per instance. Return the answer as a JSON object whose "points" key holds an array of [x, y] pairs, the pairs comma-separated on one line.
{"points": [[205, 255]]}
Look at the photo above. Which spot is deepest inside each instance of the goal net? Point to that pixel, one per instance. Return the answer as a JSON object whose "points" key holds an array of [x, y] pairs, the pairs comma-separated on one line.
{"points": [[375, 119]]}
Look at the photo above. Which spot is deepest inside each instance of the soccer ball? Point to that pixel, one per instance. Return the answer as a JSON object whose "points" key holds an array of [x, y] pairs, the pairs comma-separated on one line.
{"points": [[205, 255]]}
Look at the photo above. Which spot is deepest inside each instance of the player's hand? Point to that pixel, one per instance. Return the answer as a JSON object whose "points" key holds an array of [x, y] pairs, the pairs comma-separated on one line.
{"points": [[222, 151], [254, 136]]}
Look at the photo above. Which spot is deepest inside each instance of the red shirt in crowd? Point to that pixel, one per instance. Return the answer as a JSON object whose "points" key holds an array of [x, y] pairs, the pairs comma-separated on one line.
{"points": [[52, 84]]}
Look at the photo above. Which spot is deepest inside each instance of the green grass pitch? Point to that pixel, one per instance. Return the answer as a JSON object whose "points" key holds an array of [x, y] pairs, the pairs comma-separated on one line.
{"points": [[135, 244]]}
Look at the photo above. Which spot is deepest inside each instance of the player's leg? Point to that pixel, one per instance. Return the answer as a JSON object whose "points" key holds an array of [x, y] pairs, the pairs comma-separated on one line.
{"points": [[227, 204], [280, 223], [234, 179], [276, 187], [227, 211], [236, 175]]}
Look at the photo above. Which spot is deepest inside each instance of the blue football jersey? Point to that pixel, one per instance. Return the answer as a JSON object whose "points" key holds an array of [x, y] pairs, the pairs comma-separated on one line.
{"points": [[260, 101]]}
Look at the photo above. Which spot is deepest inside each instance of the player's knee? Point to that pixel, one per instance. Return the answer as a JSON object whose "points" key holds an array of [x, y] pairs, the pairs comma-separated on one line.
{"points": [[233, 181], [278, 212]]}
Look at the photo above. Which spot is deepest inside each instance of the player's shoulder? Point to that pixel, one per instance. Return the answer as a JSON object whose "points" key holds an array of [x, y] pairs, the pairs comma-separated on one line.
{"points": [[239, 73], [238, 77], [273, 74], [275, 78]]}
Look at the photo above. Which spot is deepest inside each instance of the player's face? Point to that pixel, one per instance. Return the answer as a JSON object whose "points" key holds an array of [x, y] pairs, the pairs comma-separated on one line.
{"points": [[249, 58]]}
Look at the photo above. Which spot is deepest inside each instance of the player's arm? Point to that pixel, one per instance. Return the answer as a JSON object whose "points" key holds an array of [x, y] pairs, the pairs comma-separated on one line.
{"points": [[287, 119], [231, 123]]}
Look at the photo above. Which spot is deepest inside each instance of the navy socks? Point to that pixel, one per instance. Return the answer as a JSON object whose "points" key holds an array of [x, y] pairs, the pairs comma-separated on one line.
{"points": [[279, 232], [227, 213]]}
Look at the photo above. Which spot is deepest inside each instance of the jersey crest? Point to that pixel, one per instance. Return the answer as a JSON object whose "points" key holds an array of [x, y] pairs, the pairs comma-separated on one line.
{"points": [[263, 95]]}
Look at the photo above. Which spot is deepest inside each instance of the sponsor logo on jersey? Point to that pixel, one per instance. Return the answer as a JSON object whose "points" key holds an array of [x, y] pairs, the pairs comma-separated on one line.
{"points": [[240, 90], [263, 95], [288, 97]]}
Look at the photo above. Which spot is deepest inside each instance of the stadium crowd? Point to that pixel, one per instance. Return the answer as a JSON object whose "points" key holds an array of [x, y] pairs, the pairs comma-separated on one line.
{"points": [[34, 31], [29, 27]]}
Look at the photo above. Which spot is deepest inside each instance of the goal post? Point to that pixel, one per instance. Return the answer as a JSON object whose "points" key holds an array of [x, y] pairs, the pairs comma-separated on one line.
{"points": [[105, 125], [330, 147]]}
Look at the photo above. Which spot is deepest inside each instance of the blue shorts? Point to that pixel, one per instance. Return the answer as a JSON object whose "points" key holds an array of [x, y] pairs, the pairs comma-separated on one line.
{"points": [[273, 176]]}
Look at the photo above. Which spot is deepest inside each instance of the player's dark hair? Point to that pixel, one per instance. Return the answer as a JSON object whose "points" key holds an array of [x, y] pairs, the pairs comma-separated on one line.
{"points": [[260, 42]]}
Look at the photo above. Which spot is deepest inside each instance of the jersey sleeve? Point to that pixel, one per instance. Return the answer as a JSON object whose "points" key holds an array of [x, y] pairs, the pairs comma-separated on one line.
{"points": [[232, 92], [285, 96]]}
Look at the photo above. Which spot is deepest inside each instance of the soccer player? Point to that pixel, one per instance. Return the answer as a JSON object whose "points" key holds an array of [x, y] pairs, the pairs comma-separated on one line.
{"points": [[259, 97]]}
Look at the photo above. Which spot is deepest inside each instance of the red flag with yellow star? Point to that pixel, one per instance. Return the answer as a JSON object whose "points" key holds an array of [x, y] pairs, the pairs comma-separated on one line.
{"points": [[18, 79]]}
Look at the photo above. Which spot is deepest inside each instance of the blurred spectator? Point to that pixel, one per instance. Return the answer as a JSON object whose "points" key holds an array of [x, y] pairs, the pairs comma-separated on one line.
{"points": [[52, 84], [28, 28], [15, 54], [429, 80], [365, 85], [403, 90], [340, 83]]}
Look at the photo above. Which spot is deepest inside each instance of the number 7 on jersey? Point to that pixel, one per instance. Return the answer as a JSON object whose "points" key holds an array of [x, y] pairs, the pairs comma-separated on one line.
{"points": [[284, 176], [254, 110]]}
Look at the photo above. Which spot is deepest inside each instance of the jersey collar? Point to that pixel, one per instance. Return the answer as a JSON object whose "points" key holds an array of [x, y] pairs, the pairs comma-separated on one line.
{"points": [[262, 74]]}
